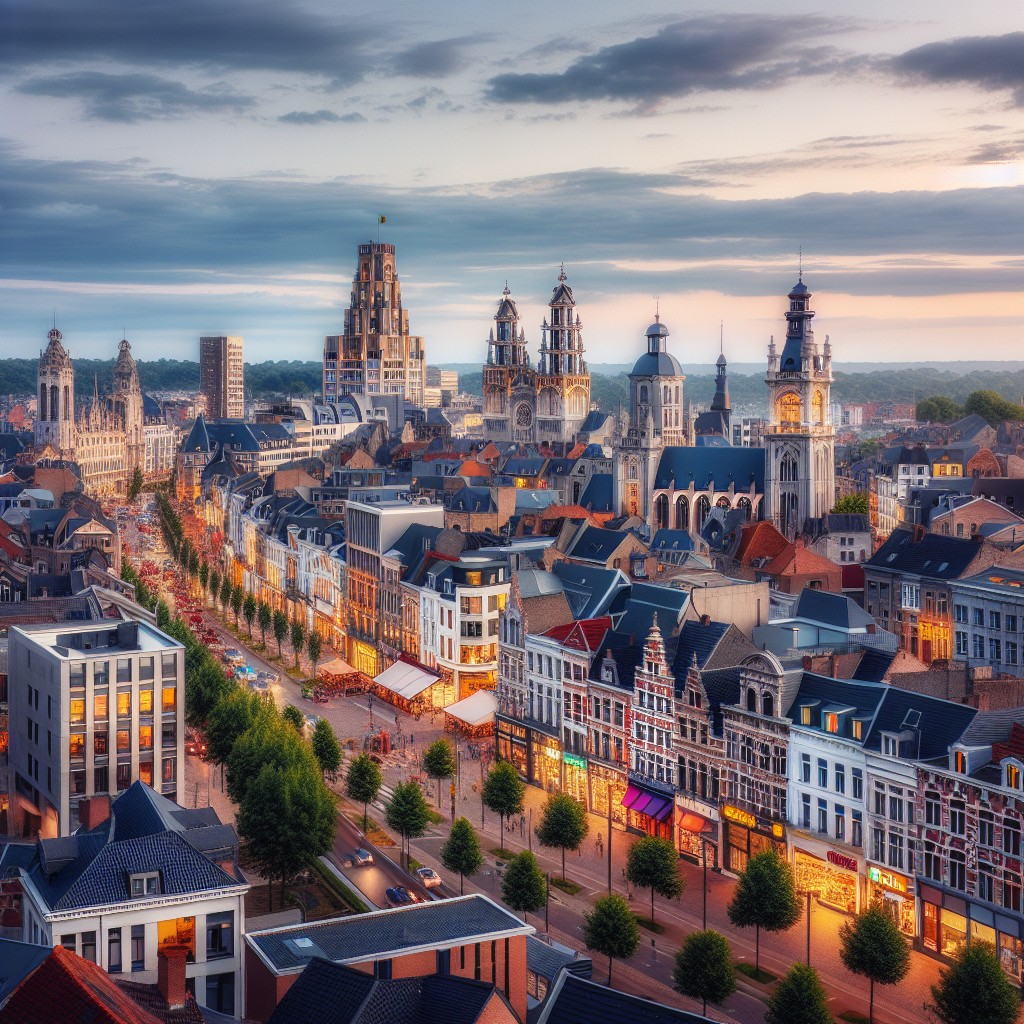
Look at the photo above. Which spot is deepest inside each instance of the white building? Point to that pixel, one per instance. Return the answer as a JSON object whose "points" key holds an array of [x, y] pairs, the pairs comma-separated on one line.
{"points": [[99, 705]]}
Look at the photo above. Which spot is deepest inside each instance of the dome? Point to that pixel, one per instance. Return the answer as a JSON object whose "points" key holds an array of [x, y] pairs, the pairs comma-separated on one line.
{"points": [[656, 330], [657, 364], [799, 289], [720, 361]]}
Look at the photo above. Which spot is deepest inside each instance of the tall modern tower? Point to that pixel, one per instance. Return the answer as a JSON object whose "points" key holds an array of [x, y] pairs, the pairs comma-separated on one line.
{"points": [[799, 439], [376, 355], [222, 377]]}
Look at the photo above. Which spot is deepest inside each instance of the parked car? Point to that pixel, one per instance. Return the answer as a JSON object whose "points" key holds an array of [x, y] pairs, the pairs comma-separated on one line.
{"points": [[312, 721], [233, 656], [270, 678], [362, 857], [195, 744], [399, 896], [428, 877]]}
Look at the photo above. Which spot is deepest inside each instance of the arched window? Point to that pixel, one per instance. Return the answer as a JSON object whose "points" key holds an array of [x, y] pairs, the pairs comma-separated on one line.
{"points": [[633, 472], [703, 509], [643, 399], [768, 705], [751, 699], [787, 468], [788, 409], [744, 503], [723, 502], [682, 513], [818, 408], [54, 406], [42, 402], [661, 511]]}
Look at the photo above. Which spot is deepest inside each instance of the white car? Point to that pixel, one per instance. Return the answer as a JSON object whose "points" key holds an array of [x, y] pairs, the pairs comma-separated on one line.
{"points": [[428, 877]]}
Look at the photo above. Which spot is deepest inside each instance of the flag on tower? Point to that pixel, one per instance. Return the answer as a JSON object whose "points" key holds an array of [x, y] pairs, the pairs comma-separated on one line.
{"points": [[381, 219]]}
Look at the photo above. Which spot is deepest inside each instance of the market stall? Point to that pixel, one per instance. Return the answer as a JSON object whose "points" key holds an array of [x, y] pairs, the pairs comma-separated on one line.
{"points": [[472, 716]]}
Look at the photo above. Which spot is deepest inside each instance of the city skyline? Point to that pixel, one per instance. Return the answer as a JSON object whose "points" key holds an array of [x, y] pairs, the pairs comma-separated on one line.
{"points": [[220, 179]]}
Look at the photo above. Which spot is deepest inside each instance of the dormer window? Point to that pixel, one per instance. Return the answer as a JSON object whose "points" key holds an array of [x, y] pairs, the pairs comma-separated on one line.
{"points": [[1011, 775], [890, 745], [959, 762], [147, 884], [858, 729]]}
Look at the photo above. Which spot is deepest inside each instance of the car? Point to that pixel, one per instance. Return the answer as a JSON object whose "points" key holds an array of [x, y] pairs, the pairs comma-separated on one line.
{"points": [[233, 656], [269, 678], [195, 744], [428, 877], [399, 896], [361, 857], [312, 721]]}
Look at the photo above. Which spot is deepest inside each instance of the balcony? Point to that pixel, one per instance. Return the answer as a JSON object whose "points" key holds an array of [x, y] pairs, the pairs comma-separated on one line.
{"points": [[648, 783]]}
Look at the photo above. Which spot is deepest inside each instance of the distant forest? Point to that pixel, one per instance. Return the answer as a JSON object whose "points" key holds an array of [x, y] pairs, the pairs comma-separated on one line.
{"points": [[302, 379]]}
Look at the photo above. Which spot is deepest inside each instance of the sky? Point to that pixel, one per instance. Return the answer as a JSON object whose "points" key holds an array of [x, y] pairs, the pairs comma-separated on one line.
{"points": [[172, 169]]}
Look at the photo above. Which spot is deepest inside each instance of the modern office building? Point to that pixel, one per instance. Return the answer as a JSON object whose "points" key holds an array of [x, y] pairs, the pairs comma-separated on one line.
{"points": [[222, 377], [98, 706], [376, 354]]}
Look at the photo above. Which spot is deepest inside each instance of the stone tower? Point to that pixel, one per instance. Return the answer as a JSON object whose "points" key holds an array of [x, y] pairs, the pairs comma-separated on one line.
{"points": [[55, 414], [799, 439], [126, 404], [509, 383], [563, 381]]}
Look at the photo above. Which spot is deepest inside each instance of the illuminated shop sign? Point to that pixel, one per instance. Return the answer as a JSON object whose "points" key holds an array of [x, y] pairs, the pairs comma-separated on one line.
{"points": [[841, 860], [575, 762], [740, 817]]}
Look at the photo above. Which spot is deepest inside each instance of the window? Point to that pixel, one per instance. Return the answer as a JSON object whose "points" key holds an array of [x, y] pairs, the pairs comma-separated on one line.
{"points": [[858, 729], [840, 817], [958, 870], [823, 816], [100, 673], [77, 710], [169, 770], [995, 650], [959, 613], [1011, 837], [932, 862], [994, 620], [168, 665], [170, 699], [896, 806], [145, 737], [1011, 624], [220, 992], [857, 832], [99, 707], [895, 850], [124, 670], [124, 703], [986, 882], [76, 745], [878, 844], [124, 776], [805, 810], [822, 773], [805, 767], [858, 783], [101, 779], [145, 702], [138, 947], [932, 809], [986, 828], [219, 935], [179, 932], [978, 642], [961, 643], [76, 673], [978, 616], [89, 946], [840, 776], [1013, 776], [146, 668], [1011, 652], [1011, 892], [124, 741], [957, 818], [114, 951]]}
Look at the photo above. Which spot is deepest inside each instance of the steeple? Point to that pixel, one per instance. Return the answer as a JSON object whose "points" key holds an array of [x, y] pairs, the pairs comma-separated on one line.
{"points": [[507, 344], [799, 346], [721, 403], [561, 346]]}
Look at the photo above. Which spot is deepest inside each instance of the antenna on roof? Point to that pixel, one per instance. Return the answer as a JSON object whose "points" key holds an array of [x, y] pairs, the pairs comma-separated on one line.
{"points": [[721, 337], [657, 309]]}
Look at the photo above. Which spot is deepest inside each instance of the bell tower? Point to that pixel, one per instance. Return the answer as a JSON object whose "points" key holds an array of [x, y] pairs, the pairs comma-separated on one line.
{"points": [[127, 404], [55, 413], [509, 392], [563, 381], [800, 438]]}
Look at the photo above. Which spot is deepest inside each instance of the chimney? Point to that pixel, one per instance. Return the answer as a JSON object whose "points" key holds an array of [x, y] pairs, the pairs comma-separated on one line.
{"points": [[705, 620], [808, 662], [170, 967], [919, 532], [833, 665], [93, 811]]}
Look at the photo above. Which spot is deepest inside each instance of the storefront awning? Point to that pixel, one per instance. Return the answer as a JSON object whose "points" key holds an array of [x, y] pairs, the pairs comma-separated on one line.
{"points": [[643, 801], [693, 822], [405, 680], [476, 709]]}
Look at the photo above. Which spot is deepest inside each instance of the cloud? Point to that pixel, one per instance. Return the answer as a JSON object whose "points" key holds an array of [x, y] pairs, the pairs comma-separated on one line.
{"points": [[993, 63], [705, 54], [129, 98], [268, 35], [437, 58], [321, 117]]}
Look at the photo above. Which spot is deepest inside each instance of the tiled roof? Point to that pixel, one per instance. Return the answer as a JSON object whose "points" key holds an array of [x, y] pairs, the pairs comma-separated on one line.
{"points": [[696, 640], [19, 960], [575, 1000], [546, 960], [831, 609], [364, 936], [724, 466], [933, 555], [582, 635], [761, 540]]}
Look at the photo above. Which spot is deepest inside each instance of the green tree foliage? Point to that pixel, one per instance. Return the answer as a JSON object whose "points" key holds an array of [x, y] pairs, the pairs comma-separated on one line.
{"points": [[264, 616], [287, 818], [326, 749], [611, 930], [856, 504], [163, 614], [461, 851], [298, 638], [654, 864], [800, 998], [363, 781], [938, 409], [872, 945], [765, 898], [249, 611], [504, 792], [315, 648], [523, 886], [974, 990], [991, 406], [294, 717], [439, 763], [225, 593], [237, 600], [214, 585], [268, 741], [407, 812], [704, 969], [206, 687], [280, 624], [233, 716], [135, 484], [564, 824]]}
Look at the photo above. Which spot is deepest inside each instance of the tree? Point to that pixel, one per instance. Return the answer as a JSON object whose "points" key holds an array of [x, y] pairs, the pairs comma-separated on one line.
{"points": [[204, 575], [439, 763], [991, 406], [938, 409], [363, 781], [237, 600], [564, 824], [268, 741], [504, 792], [461, 851], [653, 864], [135, 484], [264, 617], [872, 945], [298, 639], [974, 990], [229, 719], [294, 717], [765, 898], [280, 624], [856, 503], [249, 611], [326, 749], [315, 647], [286, 818], [214, 585], [407, 812], [704, 969], [523, 887], [611, 930], [800, 998], [205, 688], [225, 593]]}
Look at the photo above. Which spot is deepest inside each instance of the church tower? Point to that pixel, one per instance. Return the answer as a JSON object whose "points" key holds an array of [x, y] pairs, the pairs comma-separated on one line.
{"points": [[509, 380], [127, 404], [799, 438], [563, 381], [55, 414]]}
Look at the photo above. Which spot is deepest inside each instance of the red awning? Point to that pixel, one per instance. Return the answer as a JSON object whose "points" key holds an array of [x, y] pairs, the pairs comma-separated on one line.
{"points": [[691, 822]]}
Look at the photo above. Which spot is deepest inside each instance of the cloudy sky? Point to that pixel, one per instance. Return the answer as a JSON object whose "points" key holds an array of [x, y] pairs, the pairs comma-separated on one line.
{"points": [[202, 166]]}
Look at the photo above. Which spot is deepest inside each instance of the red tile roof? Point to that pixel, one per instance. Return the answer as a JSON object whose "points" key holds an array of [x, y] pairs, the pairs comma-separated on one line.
{"points": [[473, 468], [1012, 747], [760, 540], [797, 560], [582, 635]]}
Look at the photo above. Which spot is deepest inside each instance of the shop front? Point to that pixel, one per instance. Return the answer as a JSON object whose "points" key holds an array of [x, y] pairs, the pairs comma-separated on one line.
{"points": [[512, 745], [545, 761], [575, 779], [747, 835], [607, 783], [949, 921], [648, 811], [894, 893], [831, 876], [696, 835]]}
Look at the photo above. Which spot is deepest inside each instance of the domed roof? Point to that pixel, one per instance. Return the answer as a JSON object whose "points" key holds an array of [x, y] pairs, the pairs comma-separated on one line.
{"points": [[799, 288], [656, 330], [720, 361], [657, 364]]}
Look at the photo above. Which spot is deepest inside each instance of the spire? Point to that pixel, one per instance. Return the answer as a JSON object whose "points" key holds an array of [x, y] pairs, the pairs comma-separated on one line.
{"points": [[561, 272], [800, 277]]}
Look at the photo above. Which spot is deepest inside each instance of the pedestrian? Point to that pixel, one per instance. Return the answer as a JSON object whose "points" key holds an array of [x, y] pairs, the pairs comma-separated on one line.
{"points": [[600, 844]]}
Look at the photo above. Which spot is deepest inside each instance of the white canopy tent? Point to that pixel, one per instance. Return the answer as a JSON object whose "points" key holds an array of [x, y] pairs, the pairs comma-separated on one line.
{"points": [[405, 680], [475, 710]]}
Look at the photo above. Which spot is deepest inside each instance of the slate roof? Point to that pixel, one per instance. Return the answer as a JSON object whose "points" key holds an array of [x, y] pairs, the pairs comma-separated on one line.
{"points": [[934, 555], [671, 540], [942, 721], [595, 420], [589, 589], [575, 1000], [597, 495], [537, 583], [831, 609], [19, 960], [366, 936], [874, 665], [472, 499], [627, 655], [198, 439], [546, 960], [741, 467], [646, 600], [595, 544]]}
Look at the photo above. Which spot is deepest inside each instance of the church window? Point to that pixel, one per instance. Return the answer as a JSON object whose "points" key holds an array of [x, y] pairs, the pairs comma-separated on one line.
{"points": [[818, 408], [643, 394], [788, 469], [788, 409], [661, 511], [703, 510], [682, 514], [42, 402]]}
